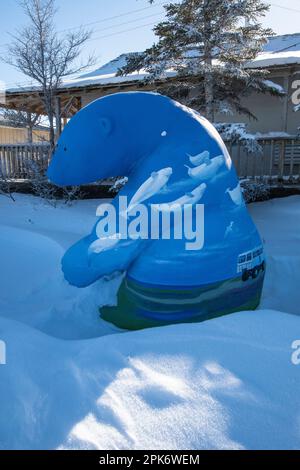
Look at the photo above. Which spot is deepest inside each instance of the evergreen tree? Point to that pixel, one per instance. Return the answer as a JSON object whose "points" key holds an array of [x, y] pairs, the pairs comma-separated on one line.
{"points": [[208, 44]]}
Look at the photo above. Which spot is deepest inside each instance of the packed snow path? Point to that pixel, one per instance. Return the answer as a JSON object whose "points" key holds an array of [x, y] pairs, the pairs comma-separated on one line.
{"points": [[228, 383]]}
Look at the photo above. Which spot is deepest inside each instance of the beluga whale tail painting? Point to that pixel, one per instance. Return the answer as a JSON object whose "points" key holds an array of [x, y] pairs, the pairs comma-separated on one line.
{"points": [[179, 230]]}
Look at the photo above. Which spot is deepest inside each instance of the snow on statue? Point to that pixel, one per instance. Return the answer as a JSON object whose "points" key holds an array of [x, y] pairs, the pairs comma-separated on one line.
{"points": [[172, 156]]}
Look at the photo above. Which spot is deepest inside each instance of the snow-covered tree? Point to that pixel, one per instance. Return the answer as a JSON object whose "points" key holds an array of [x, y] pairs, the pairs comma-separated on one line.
{"points": [[208, 44]]}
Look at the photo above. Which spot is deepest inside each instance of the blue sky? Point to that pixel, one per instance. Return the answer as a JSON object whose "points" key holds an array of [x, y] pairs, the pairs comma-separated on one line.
{"points": [[107, 43]]}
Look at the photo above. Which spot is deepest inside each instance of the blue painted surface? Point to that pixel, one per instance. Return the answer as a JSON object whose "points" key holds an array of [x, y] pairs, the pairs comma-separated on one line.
{"points": [[138, 134]]}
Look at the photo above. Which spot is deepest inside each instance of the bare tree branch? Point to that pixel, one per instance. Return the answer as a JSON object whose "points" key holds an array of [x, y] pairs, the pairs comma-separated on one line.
{"points": [[45, 56]]}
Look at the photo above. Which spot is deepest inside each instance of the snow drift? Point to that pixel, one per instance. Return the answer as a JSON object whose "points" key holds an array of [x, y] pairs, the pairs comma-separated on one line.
{"points": [[228, 383]]}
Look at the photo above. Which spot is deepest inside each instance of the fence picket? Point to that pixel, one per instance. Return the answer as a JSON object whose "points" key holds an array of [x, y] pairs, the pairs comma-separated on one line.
{"points": [[15, 159]]}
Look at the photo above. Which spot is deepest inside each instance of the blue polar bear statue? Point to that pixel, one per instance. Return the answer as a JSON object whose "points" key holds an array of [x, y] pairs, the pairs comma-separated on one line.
{"points": [[173, 158]]}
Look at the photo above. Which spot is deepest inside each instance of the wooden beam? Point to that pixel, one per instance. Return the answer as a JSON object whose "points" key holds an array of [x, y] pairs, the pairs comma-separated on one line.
{"points": [[58, 116], [286, 103]]}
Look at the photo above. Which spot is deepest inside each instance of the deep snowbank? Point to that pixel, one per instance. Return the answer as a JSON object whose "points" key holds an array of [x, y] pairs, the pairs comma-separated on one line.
{"points": [[33, 238], [278, 221], [225, 383]]}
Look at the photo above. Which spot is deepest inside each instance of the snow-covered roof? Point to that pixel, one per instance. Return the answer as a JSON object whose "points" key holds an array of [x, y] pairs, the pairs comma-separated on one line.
{"points": [[107, 74], [272, 59], [287, 42], [280, 50]]}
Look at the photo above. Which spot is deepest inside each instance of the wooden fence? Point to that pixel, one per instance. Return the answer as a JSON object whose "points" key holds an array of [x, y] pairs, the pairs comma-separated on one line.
{"points": [[19, 162], [278, 163]]}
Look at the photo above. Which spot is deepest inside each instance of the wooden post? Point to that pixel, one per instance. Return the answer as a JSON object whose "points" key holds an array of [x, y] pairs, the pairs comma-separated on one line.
{"points": [[238, 161], [292, 160], [58, 116], [29, 127], [272, 149], [254, 166], [262, 161], [281, 161], [286, 104], [247, 165]]}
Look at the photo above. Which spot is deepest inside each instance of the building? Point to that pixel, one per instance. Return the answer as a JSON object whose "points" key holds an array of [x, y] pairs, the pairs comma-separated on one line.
{"points": [[9, 134], [281, 56], [278, 118]]}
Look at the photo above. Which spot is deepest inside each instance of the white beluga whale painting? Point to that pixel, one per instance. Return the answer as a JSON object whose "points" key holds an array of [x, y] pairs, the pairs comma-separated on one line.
{"points": [[199, 159], [151, 186], [189, 198], [206, 171], [173, 158], [236, 195], [104, 243]]}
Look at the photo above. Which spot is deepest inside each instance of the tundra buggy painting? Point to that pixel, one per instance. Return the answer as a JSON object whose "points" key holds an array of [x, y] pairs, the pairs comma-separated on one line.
{"points": [[251, 263]]}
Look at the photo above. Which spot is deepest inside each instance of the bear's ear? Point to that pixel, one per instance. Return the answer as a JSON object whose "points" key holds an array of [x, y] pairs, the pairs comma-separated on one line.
{"points": [[105, 125]]}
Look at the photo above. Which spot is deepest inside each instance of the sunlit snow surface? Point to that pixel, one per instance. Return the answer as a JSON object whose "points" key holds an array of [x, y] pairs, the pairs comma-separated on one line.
{"points": [[73, 381]]}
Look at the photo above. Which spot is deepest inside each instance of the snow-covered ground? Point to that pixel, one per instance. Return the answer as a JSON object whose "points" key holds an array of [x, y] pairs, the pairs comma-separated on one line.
{"points": [[73, 381]]}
